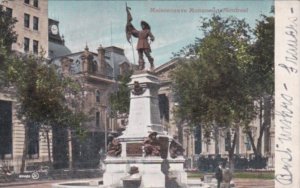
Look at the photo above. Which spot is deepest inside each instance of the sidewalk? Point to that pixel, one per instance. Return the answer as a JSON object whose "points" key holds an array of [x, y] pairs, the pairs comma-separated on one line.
{"points": [[253, 183], [27, 183]]}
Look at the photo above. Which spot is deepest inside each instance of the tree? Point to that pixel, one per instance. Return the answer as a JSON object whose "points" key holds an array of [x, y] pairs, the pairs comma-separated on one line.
{"points": [[213, 87], [7, 33], [261, 72], [7, 37], [40, 94], [38, 89], [120, 100]]}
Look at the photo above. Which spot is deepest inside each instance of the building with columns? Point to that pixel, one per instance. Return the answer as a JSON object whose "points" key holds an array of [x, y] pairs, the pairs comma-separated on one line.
{"points": [[193, 140], [167, 102]]}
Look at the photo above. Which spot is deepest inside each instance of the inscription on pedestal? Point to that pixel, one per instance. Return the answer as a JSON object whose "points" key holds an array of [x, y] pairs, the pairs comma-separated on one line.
{"points": [[164, 145], [134, 149]]}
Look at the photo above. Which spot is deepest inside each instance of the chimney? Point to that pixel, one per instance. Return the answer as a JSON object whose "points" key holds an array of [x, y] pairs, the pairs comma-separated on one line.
{"points": [[85, 58], [65, 65]]}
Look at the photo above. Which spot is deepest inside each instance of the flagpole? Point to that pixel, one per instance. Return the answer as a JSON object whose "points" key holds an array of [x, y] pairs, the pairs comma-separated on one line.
{"points": [[133, 53]]}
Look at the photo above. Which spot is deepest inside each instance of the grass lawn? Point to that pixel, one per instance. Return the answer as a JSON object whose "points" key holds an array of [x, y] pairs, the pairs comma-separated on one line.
{"points": [[246, 175]]}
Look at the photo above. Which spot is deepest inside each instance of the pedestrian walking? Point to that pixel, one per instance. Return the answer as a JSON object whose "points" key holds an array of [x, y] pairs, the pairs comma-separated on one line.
{"points": [[219, 175]]}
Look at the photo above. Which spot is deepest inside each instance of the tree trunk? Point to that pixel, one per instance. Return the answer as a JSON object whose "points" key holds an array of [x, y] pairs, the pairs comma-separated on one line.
{"points": [[249, 133], [261, 127], [70, 149], [267, 122], [216, 139], [25, 148], [259, 139], [231, 151]]}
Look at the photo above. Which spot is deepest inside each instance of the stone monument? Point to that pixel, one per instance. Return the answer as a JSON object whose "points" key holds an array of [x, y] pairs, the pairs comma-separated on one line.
{"points": [[141, 156], [138, 150]]}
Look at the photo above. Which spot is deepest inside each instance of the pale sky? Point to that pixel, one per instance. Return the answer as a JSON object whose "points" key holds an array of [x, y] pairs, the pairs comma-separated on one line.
{"points": [[103, 22]]}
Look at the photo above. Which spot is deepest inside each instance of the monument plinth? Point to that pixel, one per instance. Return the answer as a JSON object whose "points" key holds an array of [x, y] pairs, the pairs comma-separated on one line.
{"points": [[144, 116], [144, 119]]}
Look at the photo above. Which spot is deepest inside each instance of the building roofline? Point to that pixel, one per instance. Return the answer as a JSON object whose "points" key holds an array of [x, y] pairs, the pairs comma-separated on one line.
{"points": [[94, 77], [94, 53], [58, 57], [165, 66]]}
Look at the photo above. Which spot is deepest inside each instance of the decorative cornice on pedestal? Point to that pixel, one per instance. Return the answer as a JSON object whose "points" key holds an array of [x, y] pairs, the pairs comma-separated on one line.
{"points": [[132, 160], [136, 72]]}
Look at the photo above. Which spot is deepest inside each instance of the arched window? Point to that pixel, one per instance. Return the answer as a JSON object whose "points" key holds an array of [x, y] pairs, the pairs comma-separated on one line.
{"points": [[97, 96], [95, 66]]}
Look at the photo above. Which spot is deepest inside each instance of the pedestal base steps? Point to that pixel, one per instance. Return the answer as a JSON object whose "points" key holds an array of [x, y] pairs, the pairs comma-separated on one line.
{"points": [[149, 168]]}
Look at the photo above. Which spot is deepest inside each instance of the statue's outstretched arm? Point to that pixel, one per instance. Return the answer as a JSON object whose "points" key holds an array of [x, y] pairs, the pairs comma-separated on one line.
{"points": [[151, 36]]}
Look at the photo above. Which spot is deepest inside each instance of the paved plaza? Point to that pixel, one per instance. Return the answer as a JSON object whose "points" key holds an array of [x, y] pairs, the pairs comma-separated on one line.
{"points": [[254, 183], [240, 183]]}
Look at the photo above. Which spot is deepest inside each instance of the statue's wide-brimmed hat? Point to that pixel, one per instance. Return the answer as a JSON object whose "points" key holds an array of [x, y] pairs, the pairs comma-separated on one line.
{"points": [[147, 26], [153, 133]]}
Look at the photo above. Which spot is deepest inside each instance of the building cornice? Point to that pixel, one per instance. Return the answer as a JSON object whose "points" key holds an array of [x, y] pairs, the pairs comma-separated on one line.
{"points": [[167, 66]]}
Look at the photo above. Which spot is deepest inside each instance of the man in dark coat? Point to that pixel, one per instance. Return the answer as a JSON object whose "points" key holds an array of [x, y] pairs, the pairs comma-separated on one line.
{"points": [[143, 46], [219, 175]]}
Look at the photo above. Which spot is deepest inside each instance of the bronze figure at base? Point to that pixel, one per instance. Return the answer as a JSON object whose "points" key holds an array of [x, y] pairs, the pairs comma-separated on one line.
{"points": [[152, 145], [114, 148]]}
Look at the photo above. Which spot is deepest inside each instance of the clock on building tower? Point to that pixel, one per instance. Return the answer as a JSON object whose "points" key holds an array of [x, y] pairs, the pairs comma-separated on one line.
{"points": [[54, 29]]}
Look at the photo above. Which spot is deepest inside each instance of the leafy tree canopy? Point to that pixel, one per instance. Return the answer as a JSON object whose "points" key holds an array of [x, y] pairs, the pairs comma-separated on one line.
{"points": [[213, 86], [120, 100], [7, 25], [40, 92]]}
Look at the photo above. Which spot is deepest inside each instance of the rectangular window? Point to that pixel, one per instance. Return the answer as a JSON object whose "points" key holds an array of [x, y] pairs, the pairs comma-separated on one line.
{"points": [[26, 44], [35, 23], [5, 129], [36, 3], [26, 20], [97, 96], [97, 119], [35, 47], [27, 1], [33, 142], [9, 11]]}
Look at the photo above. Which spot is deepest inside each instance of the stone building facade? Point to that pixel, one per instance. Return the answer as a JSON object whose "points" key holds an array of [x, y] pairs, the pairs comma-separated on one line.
{"points": [[167, 103], [97, 73], [32, 27]]}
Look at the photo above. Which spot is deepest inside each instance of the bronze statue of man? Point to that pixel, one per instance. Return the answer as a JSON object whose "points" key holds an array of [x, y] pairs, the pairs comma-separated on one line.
{"points": [[143, 46]]}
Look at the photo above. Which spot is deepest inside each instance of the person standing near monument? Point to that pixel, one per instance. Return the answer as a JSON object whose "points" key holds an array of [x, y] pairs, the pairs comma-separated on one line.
{"points": [[143, 45], [219, 175]]}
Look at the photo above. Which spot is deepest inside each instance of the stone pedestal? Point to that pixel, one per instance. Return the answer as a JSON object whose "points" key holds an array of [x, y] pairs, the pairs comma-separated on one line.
{"points": [[149, 169], [144, 118], [177, 170]]}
